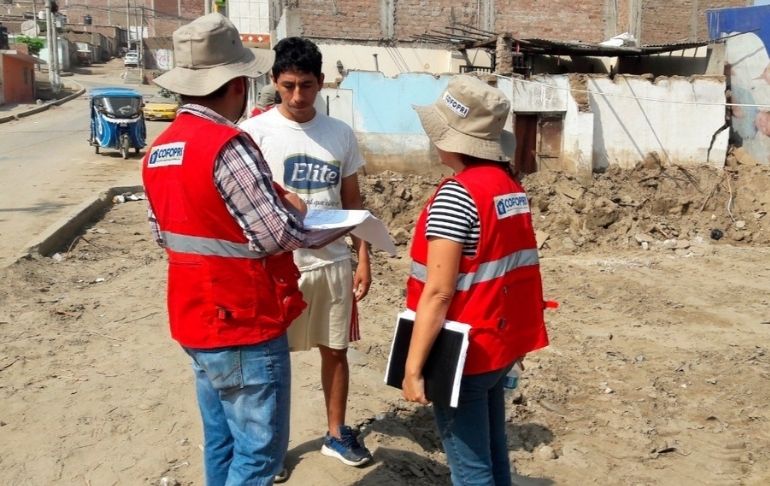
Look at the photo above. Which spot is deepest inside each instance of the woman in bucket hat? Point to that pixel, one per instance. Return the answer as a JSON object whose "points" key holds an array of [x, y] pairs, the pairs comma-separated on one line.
{"points": [[228, 233], [474, 260]]}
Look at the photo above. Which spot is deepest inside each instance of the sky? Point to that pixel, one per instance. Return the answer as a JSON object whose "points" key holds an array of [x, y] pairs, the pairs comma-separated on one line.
{"points": [[761, 2]]}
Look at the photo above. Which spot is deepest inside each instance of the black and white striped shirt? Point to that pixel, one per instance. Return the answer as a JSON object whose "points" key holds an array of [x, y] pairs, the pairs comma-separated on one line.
{"points": [[453, 216]]}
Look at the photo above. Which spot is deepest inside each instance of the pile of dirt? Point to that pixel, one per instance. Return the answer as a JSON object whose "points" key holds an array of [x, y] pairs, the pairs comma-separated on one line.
{"points": [[652, 206]]}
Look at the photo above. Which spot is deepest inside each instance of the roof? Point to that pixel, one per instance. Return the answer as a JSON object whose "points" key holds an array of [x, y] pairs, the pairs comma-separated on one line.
{"points": [[560, 48], [114, 92], [20, 56], [463, 37]]}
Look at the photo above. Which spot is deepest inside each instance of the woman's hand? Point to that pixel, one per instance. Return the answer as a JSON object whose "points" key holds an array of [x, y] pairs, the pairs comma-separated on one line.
{"points": [[413, 389]]}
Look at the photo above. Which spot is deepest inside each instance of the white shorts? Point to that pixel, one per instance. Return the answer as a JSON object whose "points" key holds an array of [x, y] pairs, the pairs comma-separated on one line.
{"points": [[328, 292]]}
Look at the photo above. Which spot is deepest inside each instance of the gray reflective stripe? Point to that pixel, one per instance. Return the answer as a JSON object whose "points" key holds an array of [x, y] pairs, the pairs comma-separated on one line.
{"points": [[207, 246], [486, 271]]}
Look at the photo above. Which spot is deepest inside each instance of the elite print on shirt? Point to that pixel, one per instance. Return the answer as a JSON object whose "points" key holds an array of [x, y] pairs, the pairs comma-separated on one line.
{"points": [[305, 174]]}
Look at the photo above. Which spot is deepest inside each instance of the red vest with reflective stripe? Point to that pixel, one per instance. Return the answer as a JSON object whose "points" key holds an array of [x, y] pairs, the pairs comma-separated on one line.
{"points": [[499, 290], [219, 293]]}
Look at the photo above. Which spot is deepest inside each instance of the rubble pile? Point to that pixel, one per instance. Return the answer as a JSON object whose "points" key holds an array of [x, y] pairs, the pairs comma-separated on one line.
{"points": [[652, 206]]}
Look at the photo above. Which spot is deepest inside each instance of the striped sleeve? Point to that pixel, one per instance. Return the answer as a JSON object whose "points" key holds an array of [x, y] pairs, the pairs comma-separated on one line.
{"points": [[453, 216]]}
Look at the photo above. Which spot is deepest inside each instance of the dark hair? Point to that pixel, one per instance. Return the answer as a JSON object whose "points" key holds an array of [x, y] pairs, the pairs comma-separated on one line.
{"points": [[297, 54], [470, 160]]}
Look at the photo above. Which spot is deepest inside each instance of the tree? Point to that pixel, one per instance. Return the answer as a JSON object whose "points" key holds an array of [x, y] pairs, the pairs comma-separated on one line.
{"points": [[33, 43]]}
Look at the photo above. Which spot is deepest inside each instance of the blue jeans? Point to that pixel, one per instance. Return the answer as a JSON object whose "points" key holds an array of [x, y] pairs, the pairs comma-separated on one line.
{"points": [[243, 395], [473, 434]]}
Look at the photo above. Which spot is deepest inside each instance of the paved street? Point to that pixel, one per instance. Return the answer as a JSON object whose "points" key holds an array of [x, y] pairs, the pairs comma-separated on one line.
{"points": [[47, 166]]}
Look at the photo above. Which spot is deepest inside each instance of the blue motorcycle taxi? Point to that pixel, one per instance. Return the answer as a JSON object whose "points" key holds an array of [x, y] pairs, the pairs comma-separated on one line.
{"points": [[117, 120]]}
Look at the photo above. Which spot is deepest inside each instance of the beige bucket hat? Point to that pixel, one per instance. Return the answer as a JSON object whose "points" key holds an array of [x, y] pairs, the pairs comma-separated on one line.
{"points": [[207, 54], [468, 118]]}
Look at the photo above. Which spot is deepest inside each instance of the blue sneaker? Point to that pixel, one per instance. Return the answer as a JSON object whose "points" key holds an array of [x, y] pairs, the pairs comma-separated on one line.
{"points": [[347, 448]]}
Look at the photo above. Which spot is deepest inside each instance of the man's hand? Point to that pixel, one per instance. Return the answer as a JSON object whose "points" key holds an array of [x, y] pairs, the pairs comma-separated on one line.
{"points": [[362, 279], [294, 203], [413, 389]]}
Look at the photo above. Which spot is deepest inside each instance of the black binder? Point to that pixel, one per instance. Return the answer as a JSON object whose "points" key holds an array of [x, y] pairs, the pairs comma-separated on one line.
{"points": [[443, 368]]}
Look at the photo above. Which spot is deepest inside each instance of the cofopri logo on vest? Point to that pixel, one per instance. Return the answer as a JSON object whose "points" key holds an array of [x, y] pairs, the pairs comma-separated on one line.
{"points": [[165, 155], [511, 204], [306, 174]]}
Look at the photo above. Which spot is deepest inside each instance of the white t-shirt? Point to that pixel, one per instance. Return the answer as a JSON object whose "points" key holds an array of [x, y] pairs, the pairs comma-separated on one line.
{"points": [[310, 159]]}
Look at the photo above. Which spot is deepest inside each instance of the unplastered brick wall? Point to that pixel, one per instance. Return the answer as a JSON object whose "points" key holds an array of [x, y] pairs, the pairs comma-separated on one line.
{"points": [[565, 20], [340, 19], [667, 21], [415, 17], [160, 16], [659, 21]]}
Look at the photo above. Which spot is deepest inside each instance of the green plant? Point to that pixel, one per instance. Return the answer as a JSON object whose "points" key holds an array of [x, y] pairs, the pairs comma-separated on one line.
{"points": [[33, 43]]}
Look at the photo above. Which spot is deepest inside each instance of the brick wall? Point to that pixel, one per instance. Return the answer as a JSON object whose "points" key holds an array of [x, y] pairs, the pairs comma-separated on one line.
{"points": [[565, 20], [666, 21], [160, 23], [348, 19], [661, 20]]}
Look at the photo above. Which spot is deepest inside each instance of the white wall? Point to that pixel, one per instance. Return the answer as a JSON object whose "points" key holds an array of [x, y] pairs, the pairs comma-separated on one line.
{"points": [[392, 61], [631, 117], [635, 117]]}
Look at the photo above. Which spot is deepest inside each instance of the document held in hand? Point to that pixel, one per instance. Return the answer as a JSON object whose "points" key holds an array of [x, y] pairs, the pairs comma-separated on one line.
{"points": [[443, 370], [326, 225]]}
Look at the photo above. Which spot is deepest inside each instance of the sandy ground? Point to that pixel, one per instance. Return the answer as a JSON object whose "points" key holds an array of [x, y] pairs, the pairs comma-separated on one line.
{"points": [[658, 371]]}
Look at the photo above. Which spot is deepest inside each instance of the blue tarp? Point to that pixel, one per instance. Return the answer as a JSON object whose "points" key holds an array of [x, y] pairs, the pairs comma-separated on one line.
{"points": [[740, 19]]}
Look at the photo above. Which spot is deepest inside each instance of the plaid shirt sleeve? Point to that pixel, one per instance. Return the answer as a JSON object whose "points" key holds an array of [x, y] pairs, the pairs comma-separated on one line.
{"points": [[155, 227], [245, 182]]}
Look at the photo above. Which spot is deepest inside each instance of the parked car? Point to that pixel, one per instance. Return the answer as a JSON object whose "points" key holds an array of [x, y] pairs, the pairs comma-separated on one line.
{"points": [[161, 106], [131, 59]]}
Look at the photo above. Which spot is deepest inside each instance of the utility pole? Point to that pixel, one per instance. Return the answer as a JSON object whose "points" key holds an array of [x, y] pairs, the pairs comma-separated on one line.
{"points": [[141, 48], [128, 25], [50, 40]]}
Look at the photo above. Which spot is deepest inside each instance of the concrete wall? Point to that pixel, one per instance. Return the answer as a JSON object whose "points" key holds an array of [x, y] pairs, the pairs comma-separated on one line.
{"points": [[629, 125], [388, 129], [749, 67], [392, 61]]}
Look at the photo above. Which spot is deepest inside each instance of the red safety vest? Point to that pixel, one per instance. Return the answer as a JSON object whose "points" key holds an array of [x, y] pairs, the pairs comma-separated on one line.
{"points": [[499, 291], [220, 293]]}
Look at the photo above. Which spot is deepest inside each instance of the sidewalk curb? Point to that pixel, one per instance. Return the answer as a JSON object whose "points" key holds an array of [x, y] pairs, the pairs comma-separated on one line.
{"points": [[46, 106], [61, 233]]}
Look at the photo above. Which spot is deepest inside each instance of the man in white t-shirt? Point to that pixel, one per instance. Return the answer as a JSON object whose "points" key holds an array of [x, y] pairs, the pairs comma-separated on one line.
{"points": [[318, 158]]}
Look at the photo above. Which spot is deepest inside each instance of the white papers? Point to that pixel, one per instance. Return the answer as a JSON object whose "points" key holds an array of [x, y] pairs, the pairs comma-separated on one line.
{"points": [[326, 225]]}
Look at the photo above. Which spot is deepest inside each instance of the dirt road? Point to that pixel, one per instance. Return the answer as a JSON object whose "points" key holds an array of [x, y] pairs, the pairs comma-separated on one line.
{"points": [[658, 372], [48, 168]]}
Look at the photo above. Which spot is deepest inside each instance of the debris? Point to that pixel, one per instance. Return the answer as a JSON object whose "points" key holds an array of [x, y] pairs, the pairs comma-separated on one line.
{"points": [[716, 234], [740, 224], [401, 236], [168, 481], [546, 453], [57, 257]]}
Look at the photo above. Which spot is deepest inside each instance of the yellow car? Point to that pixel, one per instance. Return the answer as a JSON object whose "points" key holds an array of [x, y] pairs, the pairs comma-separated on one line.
{"points": [[162, 106]]}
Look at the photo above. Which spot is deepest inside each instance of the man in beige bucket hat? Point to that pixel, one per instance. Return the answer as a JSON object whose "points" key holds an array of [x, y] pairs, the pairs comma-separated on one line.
{"points": [[476, 226], [228, 231]]}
